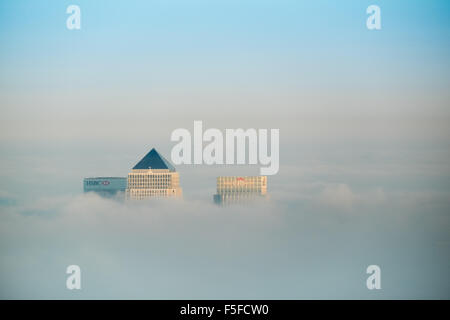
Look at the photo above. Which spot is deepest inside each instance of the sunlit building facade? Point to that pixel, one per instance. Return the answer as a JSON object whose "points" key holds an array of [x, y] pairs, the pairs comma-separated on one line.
{"points": [[153, 176], [240, 189]]}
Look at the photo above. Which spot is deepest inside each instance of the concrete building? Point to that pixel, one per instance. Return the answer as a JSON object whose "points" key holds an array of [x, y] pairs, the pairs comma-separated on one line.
{"points": [[153, 176], [240, 189], [105, 186]]}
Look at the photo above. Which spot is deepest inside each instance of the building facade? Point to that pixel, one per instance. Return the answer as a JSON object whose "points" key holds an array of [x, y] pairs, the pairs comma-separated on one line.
{"points": [[105, 186], [240, 189], [153, 176]]}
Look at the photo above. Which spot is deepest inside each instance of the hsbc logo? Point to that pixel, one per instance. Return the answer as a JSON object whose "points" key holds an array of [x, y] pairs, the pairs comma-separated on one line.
{"points": [[240, 181], [97, 183]]}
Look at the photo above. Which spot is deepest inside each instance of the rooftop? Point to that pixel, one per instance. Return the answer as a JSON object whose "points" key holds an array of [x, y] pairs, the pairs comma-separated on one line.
{"points": [[153, 160]]}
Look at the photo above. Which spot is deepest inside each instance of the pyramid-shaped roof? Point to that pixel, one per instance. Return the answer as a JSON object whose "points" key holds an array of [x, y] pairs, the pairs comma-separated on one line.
{"points": [[153, 160]]}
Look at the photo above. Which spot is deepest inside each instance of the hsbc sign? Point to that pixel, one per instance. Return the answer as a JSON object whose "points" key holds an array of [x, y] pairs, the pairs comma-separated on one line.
{"points": [[97, 183], [105, 185]]}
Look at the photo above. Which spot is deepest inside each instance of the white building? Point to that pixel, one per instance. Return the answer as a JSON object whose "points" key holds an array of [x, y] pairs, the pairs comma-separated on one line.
{"points": [[153, 176], [240, 189]]}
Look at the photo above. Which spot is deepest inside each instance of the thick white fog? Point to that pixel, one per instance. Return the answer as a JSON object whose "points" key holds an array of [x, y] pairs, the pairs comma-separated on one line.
{"points": [[329, 217]]}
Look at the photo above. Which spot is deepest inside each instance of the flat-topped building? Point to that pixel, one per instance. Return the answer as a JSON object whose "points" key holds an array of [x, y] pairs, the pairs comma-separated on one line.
{"points": [[106, 186], [153, 176], [240, 189]]}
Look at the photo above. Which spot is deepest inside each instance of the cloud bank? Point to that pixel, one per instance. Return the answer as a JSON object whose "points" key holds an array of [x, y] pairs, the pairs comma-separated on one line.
{"points": [[313, 246]]}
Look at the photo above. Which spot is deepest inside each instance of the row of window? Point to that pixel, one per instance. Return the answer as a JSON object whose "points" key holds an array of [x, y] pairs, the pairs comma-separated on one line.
{"points": [[241, 179], [255, 191], [150, 186], [242, 185], [237, 196], [142, 194], [158, 176]]}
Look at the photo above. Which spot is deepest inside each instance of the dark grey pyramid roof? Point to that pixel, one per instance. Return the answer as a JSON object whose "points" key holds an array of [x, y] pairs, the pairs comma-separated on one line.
{"points": [[153, 160]]}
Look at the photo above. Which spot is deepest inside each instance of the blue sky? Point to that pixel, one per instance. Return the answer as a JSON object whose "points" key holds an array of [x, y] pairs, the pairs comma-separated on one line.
{"points": [[140, 43], [195, 57]]}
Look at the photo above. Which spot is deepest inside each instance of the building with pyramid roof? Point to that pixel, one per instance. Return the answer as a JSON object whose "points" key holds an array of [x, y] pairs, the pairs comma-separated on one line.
{"points": [[153, 176]]}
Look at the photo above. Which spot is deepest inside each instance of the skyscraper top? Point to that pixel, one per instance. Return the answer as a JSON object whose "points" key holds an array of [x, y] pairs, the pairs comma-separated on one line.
{"points": [[153, 160]]}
